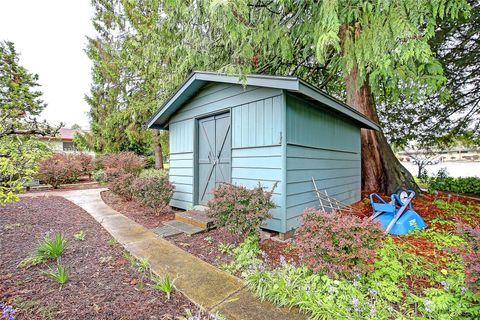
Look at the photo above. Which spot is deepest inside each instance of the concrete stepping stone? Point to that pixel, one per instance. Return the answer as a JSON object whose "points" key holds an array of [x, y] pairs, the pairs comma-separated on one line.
{"points": [[166, 231], [183, 227]]}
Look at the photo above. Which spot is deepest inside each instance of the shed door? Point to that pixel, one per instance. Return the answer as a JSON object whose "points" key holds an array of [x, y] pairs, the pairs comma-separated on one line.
{"points": [[214, 154]]}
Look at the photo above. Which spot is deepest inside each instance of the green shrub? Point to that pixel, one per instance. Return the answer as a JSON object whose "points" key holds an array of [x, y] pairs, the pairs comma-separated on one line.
{"points": [[245, 255], [338, 244], [99, 176], [381, 294], [442, 182], [242, 210], [154, 193]]}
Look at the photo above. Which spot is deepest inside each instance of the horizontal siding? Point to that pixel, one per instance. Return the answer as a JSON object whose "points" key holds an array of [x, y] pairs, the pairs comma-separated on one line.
{"points": [[337, 172], [181, 176], [251, 166], [221, 98], [311, 125], [257, 123]]}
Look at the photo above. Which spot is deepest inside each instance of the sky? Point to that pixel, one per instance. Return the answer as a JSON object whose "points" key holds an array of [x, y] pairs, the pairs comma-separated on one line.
{"points": [[50, 36]]}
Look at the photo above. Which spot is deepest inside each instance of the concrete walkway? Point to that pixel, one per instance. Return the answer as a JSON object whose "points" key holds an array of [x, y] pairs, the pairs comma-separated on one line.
{"points": [[204, 284]]}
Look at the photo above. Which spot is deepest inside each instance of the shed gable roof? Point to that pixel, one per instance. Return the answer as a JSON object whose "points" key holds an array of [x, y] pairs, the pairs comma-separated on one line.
{"points": [[197, 80]]}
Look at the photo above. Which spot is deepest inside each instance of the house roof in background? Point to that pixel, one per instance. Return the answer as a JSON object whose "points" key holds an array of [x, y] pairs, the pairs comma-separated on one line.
{"points": [[198, 79], [66, 134]]}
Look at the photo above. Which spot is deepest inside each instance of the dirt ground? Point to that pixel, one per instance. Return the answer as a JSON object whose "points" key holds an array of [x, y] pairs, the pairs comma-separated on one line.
{"points": [[102, 284]]}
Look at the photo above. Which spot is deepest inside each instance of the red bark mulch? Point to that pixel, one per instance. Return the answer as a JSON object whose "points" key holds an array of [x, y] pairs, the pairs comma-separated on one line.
{"points": [[81, 185], [102, 282], [206, 245], [135, 210]]}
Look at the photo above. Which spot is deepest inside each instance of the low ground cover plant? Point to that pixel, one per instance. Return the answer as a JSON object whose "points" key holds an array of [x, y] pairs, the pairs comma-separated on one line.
{"points": [[153, 192], [392, 281], [79, 236], [240, 209], [338, 244]]}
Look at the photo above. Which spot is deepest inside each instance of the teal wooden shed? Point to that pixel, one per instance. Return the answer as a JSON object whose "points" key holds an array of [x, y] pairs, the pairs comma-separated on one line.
{"points": [[263, 129]]}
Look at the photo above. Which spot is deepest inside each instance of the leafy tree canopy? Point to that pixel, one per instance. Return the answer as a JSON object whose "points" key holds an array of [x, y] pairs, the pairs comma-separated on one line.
{"points": [[20, 104]]}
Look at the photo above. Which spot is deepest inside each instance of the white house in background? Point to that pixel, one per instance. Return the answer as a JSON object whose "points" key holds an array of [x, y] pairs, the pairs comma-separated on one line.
{"points": [[63, 141]]}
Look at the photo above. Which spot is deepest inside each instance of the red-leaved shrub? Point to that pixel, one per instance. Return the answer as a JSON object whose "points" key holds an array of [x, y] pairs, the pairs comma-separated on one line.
{"points": [[123, 162], [59, 169], [122, 184], [241, 210], [154, 193], [471, 256], [86, 162], [339, 245], [120, 172]]}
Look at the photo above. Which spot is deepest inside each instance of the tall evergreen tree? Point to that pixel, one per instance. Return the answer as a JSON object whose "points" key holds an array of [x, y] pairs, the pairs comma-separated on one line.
{"points": [[368, 48], [369, 53], [454, 110], [122, 95], [20, 105]]}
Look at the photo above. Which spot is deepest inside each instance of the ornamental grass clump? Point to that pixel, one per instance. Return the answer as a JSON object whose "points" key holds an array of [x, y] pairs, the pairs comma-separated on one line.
{"points": [[154, 193], [51, 248], [240, 209], [338, 245]]}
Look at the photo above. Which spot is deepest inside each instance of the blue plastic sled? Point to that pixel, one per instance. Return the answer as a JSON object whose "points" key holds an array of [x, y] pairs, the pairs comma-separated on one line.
{"points": [[397, 216]]}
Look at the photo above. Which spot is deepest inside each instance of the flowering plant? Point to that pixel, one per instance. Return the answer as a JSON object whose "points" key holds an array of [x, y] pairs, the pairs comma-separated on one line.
{"points": [[8, 312]]}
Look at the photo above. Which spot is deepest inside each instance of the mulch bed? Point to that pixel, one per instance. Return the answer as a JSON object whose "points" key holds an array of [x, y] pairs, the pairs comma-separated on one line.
{"points": [[135, 210], [206, 245], [102, 282], [81, 185]]}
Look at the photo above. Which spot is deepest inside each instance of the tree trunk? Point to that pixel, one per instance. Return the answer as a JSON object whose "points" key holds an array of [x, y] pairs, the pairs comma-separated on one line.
{"points": [[157, 147], [381, 170]]}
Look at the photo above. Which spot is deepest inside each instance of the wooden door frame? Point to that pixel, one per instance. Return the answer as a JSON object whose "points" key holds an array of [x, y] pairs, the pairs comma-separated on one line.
{"points": [[196, 137]]}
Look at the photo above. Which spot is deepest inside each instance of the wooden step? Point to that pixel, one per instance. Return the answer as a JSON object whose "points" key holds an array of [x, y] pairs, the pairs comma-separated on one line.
{"points": [[195, 218]]}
